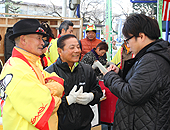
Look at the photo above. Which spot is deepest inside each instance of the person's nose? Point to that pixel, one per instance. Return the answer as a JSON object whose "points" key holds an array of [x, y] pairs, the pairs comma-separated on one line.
{"points": [[77, 49]]}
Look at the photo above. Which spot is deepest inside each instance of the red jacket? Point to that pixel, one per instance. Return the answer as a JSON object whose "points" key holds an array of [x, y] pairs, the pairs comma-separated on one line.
{"points": [[88, 45]]}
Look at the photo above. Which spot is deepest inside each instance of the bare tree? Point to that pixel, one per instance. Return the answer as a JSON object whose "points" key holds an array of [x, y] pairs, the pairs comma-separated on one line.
{"points": [[146, 8], [53, 10], [10, 8], [93, 11]]}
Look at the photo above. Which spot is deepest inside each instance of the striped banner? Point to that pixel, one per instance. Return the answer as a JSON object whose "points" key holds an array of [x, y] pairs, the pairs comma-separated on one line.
{"points": [[108, 26], [165, 10]]}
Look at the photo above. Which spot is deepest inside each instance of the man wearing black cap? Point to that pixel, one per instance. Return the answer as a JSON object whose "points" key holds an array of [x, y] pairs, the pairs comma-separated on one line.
{"points": [[25, 88]]}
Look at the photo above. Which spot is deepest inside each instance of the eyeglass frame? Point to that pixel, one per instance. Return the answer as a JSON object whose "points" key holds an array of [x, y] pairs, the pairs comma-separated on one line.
{"points": [[126, 41]]}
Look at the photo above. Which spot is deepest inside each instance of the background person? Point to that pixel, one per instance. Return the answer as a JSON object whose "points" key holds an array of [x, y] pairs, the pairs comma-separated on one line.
{"points": [[32, 96], [44, 60], [143, 87], [90, 42], [122, 55], [114, 45], [66, 27], [96, 54], [8, 44], [81, 86], [48, 31]]}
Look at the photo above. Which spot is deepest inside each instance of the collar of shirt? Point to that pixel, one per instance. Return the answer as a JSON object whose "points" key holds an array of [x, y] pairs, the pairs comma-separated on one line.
{"points": [[74, 66]]}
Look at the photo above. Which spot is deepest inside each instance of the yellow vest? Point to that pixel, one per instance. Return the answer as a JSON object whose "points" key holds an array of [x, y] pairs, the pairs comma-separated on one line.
{"points": [[117, 58], [52, 52]]}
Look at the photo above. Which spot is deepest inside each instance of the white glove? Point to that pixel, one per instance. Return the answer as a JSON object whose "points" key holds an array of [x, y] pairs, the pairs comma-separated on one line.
{"points": [[84, 98], [71, 98]]}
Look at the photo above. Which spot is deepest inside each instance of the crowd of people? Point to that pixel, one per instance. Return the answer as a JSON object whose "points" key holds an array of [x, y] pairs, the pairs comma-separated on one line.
{"points": [[48, 83]]}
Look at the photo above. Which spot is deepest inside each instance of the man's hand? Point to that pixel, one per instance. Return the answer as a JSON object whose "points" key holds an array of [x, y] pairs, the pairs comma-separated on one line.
{"points": [[71, 98], [84, 98], [114, 68]]}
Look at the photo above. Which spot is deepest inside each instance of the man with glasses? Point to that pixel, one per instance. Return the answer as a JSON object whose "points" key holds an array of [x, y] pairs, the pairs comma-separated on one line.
{"points": [[143, 86], [32, 96]]}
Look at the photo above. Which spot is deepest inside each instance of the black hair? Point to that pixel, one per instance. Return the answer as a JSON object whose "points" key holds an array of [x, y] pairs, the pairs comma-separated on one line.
{"points": [[102, 46], [60, 41], [48, 30], [65, 24], [140, 23]]}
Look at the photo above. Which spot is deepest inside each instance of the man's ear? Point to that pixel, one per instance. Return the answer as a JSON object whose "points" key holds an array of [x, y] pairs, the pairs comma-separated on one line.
{"points": [[63, 31], [142, 36], [22, 39], [59, 51], [97, 49]]}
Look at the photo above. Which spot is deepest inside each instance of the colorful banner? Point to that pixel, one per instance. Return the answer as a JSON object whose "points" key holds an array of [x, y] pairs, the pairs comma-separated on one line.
{"points": [[165, 10], [109, 28], [159, 15]]}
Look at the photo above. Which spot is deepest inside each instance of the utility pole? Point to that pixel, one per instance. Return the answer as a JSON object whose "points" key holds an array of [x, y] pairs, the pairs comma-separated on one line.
{"points": [[73, 5], [64, 8]]}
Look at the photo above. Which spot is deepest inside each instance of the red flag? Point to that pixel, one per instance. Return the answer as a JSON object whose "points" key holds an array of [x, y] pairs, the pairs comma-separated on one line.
{"points": [[166, 10]]}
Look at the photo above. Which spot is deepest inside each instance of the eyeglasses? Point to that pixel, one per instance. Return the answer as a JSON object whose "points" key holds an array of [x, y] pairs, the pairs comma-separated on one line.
{"points": [[126, 41], [40, 30]]}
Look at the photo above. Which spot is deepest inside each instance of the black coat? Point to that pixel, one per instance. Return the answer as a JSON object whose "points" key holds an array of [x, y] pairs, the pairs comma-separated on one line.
{"points": [[8, 44], [75, 116], [143, 91]]}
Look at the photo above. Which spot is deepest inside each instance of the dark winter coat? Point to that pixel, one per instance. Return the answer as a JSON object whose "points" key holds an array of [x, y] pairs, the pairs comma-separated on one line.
{"points": [[144, 90], [75, 116]]}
